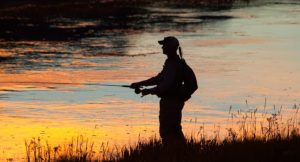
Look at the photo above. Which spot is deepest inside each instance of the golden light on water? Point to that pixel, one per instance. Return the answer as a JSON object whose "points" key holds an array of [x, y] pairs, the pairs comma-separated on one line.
{"points": [[59, 129]]}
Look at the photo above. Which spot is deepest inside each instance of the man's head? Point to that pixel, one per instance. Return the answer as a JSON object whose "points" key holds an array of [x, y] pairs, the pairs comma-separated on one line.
{"points": [[169, 45]]}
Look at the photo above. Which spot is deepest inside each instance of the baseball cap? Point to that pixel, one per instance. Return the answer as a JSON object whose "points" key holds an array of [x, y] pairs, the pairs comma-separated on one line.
{"points": [[169, 41]]}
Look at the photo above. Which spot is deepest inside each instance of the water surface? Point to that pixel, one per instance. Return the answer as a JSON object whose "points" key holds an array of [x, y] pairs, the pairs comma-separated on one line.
{"points": [[48, 87]]}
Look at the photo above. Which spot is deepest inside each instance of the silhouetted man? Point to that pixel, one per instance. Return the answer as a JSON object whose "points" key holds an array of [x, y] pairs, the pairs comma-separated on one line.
{"points": [[168, 84]]}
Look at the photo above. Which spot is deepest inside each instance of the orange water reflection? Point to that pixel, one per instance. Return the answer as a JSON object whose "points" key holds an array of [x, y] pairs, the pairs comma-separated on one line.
{"points": [[110, 120], [50, 78], [16, 130]]}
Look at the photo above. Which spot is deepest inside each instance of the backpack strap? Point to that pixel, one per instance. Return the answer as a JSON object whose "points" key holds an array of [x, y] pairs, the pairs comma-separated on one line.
{"points": [[180, 53]]}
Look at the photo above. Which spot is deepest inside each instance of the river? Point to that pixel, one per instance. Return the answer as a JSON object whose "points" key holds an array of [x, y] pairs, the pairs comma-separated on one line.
{"points": [[244, 58]]}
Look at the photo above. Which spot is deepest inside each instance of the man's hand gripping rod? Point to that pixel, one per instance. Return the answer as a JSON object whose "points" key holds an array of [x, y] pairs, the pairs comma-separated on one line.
{"points": [[137, 90]]}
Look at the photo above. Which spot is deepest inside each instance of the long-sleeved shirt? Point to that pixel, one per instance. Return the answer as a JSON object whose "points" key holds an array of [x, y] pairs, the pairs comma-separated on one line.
{"points": [[169, 80]]}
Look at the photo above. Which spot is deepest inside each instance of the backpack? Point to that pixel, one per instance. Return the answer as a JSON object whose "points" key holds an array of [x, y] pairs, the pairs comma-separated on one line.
{"points": [[189, 80]]}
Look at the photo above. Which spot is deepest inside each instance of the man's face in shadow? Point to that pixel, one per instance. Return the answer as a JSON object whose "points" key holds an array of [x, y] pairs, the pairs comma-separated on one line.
{"points": [[167, 49]]}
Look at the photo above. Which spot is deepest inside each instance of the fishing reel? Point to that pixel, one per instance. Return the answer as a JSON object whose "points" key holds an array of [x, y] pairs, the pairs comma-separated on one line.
{"points": [[138, 90], [143, 91]]}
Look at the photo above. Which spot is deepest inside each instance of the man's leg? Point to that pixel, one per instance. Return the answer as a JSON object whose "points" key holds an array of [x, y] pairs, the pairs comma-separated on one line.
{"points": [[170, 121]]}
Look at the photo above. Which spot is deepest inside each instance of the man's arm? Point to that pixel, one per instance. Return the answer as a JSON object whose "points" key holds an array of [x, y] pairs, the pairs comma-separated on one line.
{"points": [[167, 81], [151, 81]]}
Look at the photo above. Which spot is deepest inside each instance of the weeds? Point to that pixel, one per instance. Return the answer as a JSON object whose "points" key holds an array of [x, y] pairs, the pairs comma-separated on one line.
{"points": [[260, 136]]}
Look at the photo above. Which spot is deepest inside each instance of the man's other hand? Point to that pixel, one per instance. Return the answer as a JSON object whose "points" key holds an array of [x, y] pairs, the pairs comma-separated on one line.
{"points": [[146, 92]]}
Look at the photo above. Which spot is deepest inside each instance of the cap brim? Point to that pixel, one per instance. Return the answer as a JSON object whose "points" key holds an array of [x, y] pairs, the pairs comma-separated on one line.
{"points": [[161, 42]]}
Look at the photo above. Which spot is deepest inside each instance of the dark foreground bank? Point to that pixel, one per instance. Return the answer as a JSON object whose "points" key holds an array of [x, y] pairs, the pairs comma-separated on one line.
{"points": [[251, 150]]}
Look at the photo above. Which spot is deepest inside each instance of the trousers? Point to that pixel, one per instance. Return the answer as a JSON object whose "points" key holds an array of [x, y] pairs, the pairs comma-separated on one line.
{"points": [[170, 115]]}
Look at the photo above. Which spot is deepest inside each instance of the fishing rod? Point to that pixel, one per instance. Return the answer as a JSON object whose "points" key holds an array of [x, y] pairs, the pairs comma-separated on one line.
{"points": [[136, 90], [68, 83]]}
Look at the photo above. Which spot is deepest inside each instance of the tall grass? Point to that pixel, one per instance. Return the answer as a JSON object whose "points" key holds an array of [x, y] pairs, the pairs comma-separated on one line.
{"points": [[79, 149], [255, 135]]}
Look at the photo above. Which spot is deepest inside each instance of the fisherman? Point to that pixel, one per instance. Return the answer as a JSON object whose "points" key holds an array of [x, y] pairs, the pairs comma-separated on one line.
{"points": [[168, 85]]}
